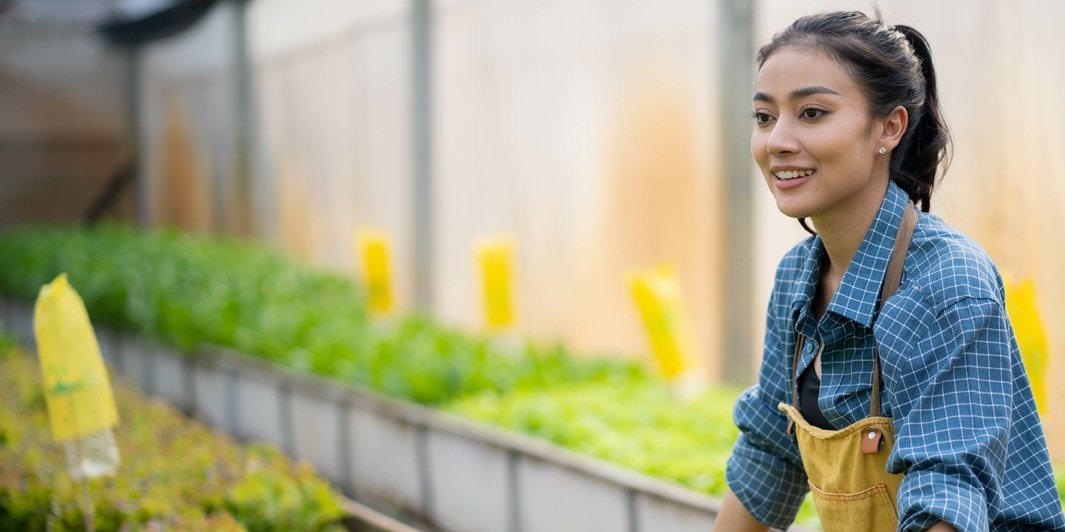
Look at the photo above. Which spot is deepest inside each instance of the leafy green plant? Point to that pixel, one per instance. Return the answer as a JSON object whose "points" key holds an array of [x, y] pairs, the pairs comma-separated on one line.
{"points": [[190, 290], [650, 432], [175, 474], [6, 342], [267, 499]]}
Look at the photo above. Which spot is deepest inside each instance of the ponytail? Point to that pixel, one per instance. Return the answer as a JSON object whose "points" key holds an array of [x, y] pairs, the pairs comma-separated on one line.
{"points": [[926, 145]]}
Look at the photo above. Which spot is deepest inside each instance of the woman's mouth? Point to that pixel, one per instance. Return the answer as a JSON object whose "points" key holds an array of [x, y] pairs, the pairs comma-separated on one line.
{"points": [[787, 175], [789, 179]]}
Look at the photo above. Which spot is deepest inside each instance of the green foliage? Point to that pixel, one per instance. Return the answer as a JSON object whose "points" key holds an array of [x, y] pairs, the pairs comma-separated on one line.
{"points": [[6, 342], [190, 290], [175, 474], [1059, 477], [181, 288], [268, 499], [637, 424]]}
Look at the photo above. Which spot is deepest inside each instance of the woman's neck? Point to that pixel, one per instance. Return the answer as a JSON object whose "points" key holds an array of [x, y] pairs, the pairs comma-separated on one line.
{"points": [[842, 231]]}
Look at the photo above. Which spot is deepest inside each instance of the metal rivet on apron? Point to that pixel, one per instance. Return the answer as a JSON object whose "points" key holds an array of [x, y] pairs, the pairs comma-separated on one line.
{"points": [[873, 442]]}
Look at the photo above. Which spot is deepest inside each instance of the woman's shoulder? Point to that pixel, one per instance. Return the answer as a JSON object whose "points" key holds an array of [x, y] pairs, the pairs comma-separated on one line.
{"points": [[946, 266]]}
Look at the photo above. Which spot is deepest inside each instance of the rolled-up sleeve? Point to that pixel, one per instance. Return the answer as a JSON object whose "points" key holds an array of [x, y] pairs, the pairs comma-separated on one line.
{"points": [[770, 486], [765, 470], [953, 418]]}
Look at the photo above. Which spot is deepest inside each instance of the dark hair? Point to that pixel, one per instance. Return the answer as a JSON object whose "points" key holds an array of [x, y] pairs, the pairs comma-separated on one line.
{"points": [[893, 66]]}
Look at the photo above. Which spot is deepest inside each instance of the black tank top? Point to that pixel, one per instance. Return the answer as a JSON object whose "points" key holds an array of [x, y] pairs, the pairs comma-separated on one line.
{"points": [[809, 388]]}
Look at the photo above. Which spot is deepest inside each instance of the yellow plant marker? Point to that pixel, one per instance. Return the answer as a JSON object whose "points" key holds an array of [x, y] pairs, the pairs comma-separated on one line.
{"points": [[377, 273], [495, 256], [76, 387], [1031, 335], [657, 297]]}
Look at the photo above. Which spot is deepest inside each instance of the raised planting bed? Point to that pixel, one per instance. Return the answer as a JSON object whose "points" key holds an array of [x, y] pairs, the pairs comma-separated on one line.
{"points": [[448, 472], [175, 474]]}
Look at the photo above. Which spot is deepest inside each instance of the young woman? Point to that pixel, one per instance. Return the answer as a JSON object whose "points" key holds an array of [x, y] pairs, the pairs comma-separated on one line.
{"points": [[891, 385]]}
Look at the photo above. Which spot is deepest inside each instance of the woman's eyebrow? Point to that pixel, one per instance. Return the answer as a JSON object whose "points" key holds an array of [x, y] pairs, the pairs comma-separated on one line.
{"points": [[808, 91], [797, 93]]}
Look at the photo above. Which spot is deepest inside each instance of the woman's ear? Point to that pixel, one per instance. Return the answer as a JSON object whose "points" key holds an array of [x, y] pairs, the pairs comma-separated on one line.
{"points": [[893, 126]]}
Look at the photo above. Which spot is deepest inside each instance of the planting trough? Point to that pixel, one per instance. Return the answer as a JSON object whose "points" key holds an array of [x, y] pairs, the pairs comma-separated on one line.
{"points": [[435, 469]]}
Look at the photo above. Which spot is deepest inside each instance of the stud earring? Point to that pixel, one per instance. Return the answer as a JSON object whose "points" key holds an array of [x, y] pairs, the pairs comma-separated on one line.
{"points": [[882, 150]]}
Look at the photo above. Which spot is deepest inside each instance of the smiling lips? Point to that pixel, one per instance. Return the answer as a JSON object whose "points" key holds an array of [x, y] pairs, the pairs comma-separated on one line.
{"points": [[785, 175]]}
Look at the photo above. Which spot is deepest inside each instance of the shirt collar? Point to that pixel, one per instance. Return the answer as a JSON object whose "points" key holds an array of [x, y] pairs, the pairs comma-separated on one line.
{"points": [[858, 293]]}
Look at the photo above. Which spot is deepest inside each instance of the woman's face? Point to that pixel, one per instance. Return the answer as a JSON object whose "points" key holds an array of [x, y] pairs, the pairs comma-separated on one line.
{"points": [[813, 138]]}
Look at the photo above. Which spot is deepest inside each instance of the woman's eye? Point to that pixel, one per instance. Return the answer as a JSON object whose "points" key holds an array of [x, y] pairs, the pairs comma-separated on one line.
{"points": [[761, 118], [812, 113]]}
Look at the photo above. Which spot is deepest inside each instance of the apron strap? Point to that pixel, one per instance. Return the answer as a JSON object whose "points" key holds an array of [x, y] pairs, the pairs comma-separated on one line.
{"points": [[795, 372], [892, 280], [794, 384]]}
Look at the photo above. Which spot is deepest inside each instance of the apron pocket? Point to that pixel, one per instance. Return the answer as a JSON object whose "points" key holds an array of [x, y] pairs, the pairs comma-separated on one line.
{"points": [[869, 510]]}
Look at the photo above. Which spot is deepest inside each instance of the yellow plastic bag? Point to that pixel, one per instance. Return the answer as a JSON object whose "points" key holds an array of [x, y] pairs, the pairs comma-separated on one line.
{"points": [[657, 296], [77, 389], [495, 257], [377, 271], [1031, 335]]}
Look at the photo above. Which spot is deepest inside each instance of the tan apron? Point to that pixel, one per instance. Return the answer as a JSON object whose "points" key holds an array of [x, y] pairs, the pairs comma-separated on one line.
{"points": [[851, 487]]}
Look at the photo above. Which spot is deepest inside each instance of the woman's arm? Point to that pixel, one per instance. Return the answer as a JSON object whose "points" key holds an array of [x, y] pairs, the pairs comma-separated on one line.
{"points": [[733, 517], [942, 527], [953, 401], [765, 474]]}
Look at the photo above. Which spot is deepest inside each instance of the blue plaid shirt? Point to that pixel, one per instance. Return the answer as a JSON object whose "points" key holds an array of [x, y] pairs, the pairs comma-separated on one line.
{"points": [[967, 433]]}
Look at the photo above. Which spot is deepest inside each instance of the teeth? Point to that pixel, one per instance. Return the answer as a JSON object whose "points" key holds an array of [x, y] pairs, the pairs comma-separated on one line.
{"points": [[792, 174]]}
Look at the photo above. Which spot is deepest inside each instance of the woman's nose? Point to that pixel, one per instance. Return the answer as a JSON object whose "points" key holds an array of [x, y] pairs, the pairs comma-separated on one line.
{"points": [[782, 138]]}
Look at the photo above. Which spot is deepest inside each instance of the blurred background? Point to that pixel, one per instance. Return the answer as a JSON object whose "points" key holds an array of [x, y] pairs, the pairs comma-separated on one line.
{"points": [[603, 135]]}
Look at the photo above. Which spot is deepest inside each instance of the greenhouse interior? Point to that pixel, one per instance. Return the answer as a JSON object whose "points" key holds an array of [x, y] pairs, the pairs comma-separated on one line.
{"points": [[447, 265]]}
